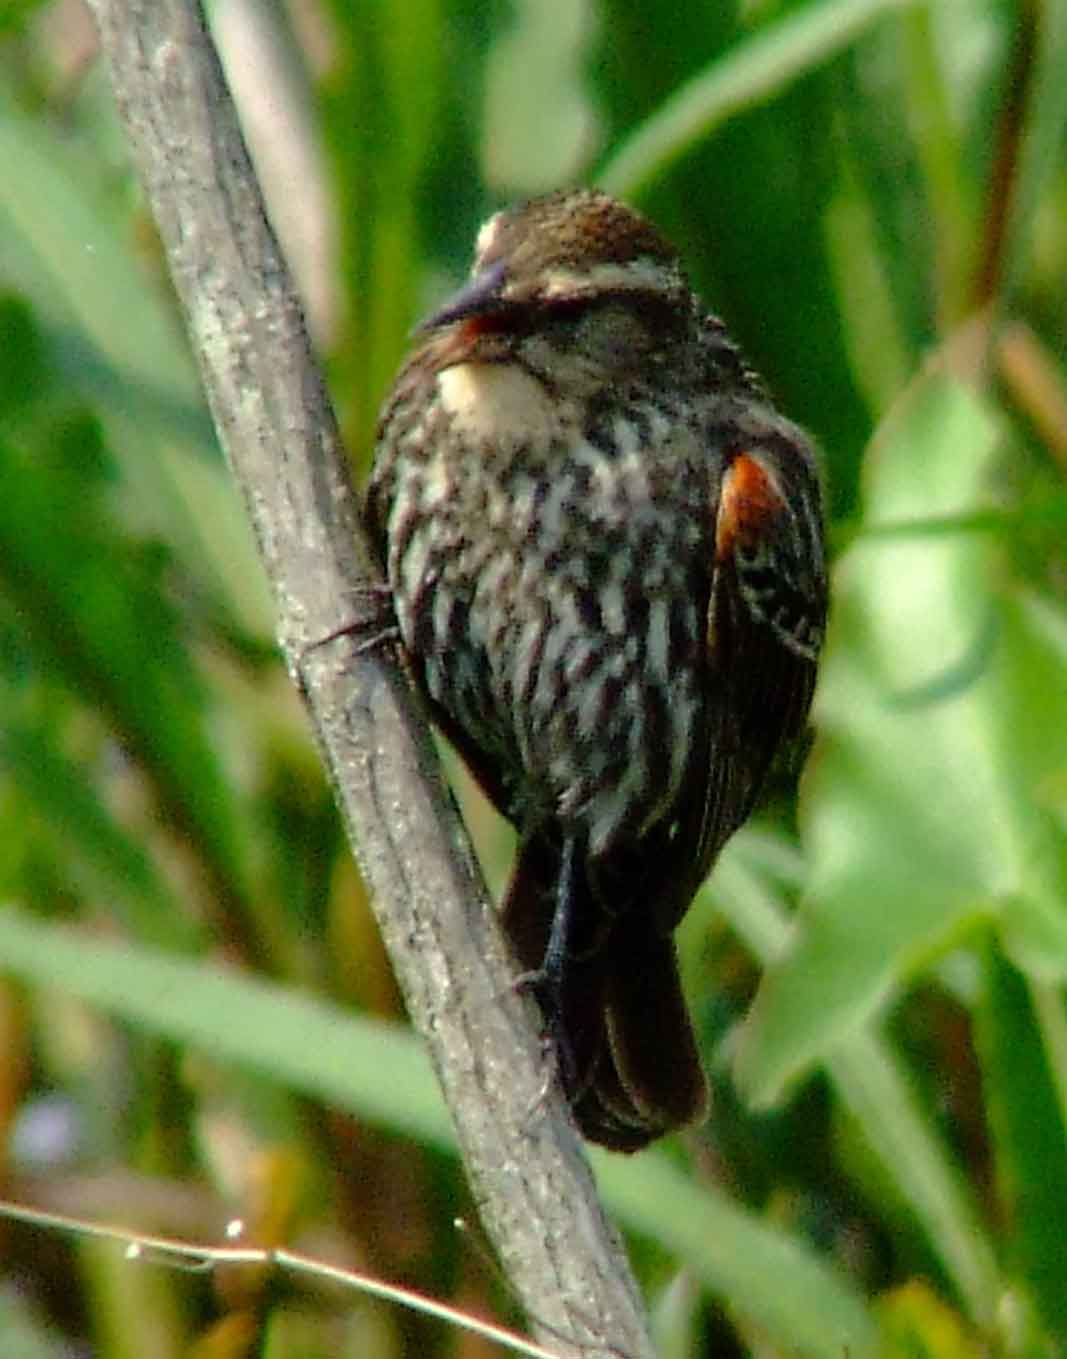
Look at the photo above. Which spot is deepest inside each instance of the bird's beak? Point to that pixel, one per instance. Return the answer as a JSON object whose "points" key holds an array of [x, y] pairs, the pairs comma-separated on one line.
{"points": [[476, 298]]}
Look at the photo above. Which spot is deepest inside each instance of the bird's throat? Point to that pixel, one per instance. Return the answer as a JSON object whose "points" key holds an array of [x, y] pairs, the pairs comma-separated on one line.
{"points": [[499, 402]]}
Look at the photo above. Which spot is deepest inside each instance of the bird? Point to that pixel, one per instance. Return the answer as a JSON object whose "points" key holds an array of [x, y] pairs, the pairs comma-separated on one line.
{"points": [[604, 547]]}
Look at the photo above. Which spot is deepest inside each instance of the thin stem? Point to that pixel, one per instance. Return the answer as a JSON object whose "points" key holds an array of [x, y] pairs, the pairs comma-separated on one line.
{"points": [[195, 1258]]}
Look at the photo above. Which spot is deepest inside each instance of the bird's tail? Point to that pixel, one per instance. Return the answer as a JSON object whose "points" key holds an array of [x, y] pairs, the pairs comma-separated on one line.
{"points": [[630, 1067]]}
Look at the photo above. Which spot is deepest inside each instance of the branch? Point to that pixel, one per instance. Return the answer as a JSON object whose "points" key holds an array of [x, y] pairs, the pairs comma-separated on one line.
{"points": [[532, 1184]]}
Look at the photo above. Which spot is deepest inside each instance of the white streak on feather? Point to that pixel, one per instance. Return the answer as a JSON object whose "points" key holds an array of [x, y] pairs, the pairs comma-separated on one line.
{"points": [[640, 275], [658, 641], [487, 235], [613, 609]]}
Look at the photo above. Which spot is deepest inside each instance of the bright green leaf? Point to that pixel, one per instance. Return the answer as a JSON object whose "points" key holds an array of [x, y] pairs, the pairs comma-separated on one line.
{"points": [[940, 719]]}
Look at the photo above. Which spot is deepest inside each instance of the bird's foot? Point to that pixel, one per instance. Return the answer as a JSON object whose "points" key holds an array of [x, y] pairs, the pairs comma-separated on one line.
{"points": [[372, 627]]}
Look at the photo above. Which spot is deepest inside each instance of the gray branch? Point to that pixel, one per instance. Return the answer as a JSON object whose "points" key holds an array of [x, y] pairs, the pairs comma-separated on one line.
{"points": [[530, 1179]]}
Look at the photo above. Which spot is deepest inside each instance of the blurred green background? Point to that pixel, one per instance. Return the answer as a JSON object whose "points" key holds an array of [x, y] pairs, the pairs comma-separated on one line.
{"points": [[197, 1022]]}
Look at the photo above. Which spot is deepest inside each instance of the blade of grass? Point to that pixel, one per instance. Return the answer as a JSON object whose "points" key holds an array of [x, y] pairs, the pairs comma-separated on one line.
{"points": [[1028, 1136], [939, 155], [763, 1274], [878, 1093], [754, 71], [300, 1041], [58, 527], [119, 348], [874, 1085], [120, 873]]}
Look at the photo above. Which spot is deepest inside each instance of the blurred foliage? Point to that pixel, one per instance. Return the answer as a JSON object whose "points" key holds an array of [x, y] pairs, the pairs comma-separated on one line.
{"points": [[197, 1022]]}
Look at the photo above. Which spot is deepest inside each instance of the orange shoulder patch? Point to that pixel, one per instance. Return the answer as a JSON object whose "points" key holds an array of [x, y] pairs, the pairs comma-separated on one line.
{"points": [[749, 500]]}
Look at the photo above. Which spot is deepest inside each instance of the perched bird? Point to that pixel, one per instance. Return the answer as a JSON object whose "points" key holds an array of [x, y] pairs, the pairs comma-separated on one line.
{"points": [[604, 547]]}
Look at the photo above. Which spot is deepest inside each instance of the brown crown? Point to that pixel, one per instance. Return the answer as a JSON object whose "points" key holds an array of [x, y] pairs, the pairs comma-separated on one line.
{"points": [[573, 228]]}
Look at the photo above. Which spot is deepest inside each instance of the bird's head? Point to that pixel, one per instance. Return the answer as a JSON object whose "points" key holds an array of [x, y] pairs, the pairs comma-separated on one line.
{"points": [[575, 269]]}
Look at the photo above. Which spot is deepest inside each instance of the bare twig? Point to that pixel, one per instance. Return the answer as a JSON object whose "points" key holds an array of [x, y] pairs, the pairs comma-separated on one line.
{"points": [[531, 1182], [195, 1258], [1004, 172]]}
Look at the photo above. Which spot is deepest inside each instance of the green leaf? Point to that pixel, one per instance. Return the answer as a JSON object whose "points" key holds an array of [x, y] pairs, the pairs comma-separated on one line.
{"points": [[941, 719]]}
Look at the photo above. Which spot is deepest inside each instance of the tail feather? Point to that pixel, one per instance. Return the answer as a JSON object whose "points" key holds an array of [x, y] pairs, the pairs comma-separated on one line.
{"points": [[653, 1046], [632, 1070]]}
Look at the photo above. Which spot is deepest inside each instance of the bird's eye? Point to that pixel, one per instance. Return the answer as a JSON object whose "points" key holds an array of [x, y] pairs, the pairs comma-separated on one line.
{"points": [[611, 332]]}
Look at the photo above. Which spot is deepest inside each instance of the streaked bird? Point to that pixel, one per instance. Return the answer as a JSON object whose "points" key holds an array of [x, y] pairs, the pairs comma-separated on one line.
{"points": [[604, 546]]}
